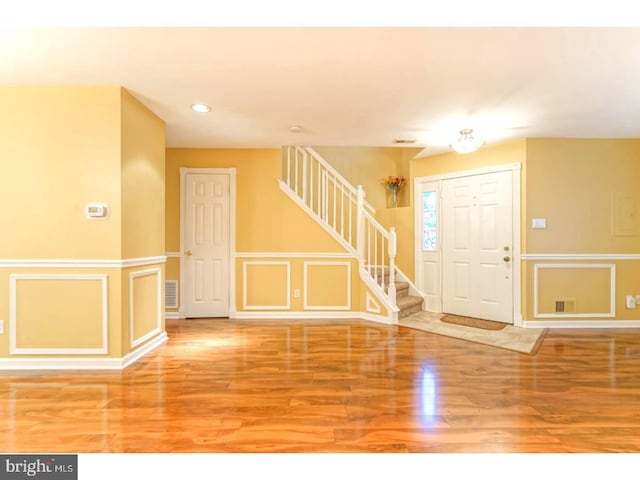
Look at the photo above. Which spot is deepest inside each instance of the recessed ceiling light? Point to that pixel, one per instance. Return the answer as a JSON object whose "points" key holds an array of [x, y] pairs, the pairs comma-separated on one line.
{"points": [[200, 108]]}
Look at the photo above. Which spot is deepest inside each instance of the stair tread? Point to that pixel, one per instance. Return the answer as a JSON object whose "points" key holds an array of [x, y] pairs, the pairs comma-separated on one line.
{"points": [[409, 301], [402, 285]]}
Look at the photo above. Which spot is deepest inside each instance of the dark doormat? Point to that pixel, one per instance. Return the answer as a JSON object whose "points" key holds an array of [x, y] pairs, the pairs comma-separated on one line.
{"points": [[473, 322]]}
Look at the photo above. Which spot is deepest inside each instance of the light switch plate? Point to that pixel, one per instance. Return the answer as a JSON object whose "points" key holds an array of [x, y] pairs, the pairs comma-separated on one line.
{"points": [[538, 223], [1, 327]]}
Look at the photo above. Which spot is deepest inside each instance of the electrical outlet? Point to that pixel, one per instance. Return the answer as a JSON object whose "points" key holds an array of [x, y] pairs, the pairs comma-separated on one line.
{"points": [[296, 293], [1, 327], [631, 301]]}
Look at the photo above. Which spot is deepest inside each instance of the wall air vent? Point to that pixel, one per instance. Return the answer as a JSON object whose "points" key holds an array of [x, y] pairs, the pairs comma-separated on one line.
{"points": [[403, 141], [171, 294], [567, 305]]}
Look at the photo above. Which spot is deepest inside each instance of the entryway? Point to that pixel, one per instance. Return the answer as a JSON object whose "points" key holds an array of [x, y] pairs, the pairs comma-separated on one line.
{"points": [[467, 249]]}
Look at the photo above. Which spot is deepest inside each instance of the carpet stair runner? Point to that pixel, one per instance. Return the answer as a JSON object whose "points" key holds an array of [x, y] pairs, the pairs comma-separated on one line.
{"points": [[407, 303]]}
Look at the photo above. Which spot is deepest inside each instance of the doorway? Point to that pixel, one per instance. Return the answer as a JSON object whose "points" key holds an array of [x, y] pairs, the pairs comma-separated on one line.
{"points": [[207, 226], [468, 243]]}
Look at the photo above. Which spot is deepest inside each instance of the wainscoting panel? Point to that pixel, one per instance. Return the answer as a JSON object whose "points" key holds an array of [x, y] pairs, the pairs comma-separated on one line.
{"points": [[64, 314], [327, 286], [577, 290], [266, 285], [145, 305]]}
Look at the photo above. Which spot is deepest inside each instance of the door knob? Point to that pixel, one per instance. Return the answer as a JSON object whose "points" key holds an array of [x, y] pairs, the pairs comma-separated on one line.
{"points": [[189, 253], [506, 259]]}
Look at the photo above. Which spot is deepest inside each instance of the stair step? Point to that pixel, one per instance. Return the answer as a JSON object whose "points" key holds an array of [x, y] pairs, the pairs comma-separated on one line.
{"points": [[408, 305], [402, 289], [410, 311], [409, 301]]}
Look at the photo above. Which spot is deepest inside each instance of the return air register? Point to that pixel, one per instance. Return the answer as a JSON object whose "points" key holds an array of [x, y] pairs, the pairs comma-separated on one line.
{"points": [[568, 305], [171, 294]]}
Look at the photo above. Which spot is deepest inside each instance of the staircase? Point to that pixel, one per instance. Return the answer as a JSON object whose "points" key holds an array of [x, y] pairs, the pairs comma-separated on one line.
{"points": [[407, 303], [341, 209]]}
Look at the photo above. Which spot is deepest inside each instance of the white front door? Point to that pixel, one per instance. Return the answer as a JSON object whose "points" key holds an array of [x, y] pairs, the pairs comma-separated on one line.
{"points": [[207, 245], [477, 244]]}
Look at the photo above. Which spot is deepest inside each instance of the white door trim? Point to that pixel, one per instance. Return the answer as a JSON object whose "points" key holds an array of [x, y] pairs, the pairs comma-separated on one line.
{"points": [[232, 232], [515, 168]]}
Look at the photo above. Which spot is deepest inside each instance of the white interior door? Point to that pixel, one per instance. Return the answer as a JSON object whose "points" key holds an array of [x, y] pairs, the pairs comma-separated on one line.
{"points": [[477, 244], [207, 244]]}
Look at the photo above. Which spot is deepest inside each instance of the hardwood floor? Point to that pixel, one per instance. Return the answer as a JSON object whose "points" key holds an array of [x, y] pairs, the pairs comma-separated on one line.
{"points": [[335, 386]]}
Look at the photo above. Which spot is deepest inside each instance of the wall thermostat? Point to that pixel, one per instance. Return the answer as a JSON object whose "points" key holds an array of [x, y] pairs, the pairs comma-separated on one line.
{"points": [[96, 211]]}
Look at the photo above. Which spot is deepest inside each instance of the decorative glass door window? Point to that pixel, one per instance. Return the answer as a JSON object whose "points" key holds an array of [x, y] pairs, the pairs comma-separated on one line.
{"points": [[429, 221]]}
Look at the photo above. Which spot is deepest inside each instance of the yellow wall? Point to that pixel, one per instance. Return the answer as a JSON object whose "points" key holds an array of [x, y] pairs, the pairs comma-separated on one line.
{"points": [[142, 282], [590, 295], [367, 165], [488, 156], [571, 183], [324, 287], [63, 147], [574, 184], [143, 217], [591, 290], [143, 150], [328, 284], [68, 313], [266, 219], [63, 311], [266, 284], [60, 149]]}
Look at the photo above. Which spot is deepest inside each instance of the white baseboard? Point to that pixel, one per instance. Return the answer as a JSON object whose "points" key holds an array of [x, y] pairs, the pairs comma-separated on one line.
{"points": [[378, 318], [581, 323], [172, 315], [143, 350], [82, 363]]}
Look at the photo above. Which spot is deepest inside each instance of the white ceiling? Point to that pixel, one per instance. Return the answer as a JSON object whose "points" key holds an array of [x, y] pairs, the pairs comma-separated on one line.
{"points": [[350, 86]]}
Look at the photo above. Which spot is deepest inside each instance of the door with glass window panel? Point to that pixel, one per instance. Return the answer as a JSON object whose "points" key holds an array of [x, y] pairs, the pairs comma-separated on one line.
{"points": [[428, 255]]}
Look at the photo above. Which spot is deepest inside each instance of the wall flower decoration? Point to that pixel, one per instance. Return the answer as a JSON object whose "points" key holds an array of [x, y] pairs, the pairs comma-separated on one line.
{"points": [[393, 184]]}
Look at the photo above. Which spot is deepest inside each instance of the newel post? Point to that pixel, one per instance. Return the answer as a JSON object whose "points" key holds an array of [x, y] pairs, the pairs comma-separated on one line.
{"points": [[360, 221], [393, 242]]}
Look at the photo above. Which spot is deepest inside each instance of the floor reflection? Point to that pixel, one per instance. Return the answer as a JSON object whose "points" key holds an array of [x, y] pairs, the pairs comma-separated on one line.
{"points": [[334, 386], [429, 397]]}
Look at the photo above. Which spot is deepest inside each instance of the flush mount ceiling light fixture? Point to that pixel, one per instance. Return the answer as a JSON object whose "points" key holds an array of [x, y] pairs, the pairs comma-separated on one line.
{"points": [[295, 128], [200, 108], [466, 143]]}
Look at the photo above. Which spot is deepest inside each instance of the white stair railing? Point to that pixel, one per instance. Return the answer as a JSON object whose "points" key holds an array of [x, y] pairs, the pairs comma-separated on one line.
{"points": [[378, 248], [342, 209]]}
